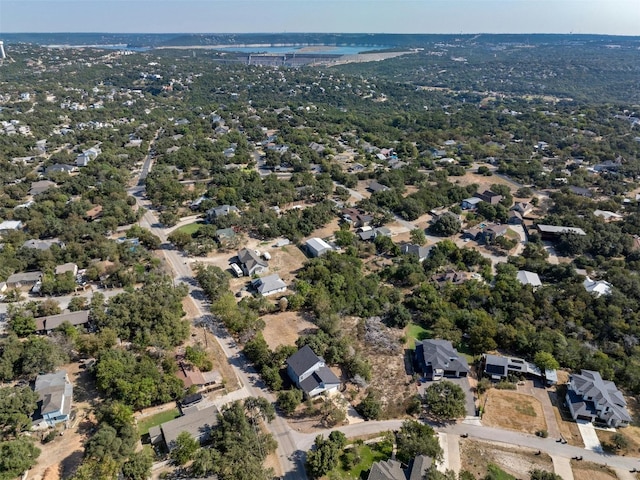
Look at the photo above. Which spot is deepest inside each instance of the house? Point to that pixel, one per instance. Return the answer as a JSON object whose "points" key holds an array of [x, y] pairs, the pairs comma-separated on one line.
{"points": [[597, 287], [46, 325], [221, 211], [553, 232], [94, 213], [357, 218], [60, 168], [225, 235], [522, 208], [491, 232], [498, 367], [40, 187], [489, 197], [394, 470], [193, 376], [608, 216], [515, 218], [42, 244], [251, 263], [197, 423], [583, 192], [10, 226], [66, 267], [269, 285], [528, 278], [591, 398], [369, 233], [55, 397], [309, 372], [416, 250], [317, 247], [22, 280], [450, 276], [470, 203], [377, 187], [437, 359]]}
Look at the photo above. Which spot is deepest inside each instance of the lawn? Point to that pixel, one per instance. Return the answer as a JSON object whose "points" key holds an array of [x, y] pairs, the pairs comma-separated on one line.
{"points": [[145, 424], [414, 332], [191, 228], [358, 457]]}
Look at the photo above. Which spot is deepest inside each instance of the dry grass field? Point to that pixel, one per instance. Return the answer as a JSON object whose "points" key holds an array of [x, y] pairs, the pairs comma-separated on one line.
{"points": [[475, 457], [284, 328], [513, 411], [592, 471]]}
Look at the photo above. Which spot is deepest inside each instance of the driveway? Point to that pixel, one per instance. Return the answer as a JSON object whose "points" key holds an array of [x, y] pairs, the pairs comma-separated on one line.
{"points": [[589, 436]]}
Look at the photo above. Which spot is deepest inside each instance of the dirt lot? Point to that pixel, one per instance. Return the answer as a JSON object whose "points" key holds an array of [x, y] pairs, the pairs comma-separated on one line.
{"points": [[475, 457], [284, 328], [484, 183], [513, 411], [592, 471], [207, 340]]}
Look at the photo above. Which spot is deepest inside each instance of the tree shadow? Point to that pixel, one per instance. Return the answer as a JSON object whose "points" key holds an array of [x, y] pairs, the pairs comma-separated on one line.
{"points": [[70, 464], [408, 361]]}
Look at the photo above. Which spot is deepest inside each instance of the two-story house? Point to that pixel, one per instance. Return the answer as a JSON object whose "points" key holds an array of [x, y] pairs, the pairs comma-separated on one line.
{"points": [[309, 372], [55, 396], [592, 398]]}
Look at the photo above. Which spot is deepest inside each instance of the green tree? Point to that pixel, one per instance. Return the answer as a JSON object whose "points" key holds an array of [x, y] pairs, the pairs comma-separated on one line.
{"points": [[138, 467], [545, 361], [22, 324], [17, 456], [288, 400], [17, 404], [325, 454], [185, 448], [446, 225], [418, 236], [415, 438], [538, 474], [370, 407], [445, 400]]}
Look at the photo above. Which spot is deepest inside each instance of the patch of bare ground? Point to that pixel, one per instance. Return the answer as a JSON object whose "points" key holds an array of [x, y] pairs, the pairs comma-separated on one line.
{"points": [[475, 457], [484, 183], [328, 230], [592, 471], [513, 411], [208, 341], [284, 328]]}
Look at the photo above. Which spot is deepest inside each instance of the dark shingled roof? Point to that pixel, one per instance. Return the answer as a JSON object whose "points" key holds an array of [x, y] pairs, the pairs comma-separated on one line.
{"points": [[303, 360]]}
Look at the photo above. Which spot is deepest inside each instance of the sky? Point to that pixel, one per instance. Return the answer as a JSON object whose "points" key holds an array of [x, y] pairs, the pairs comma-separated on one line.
{"points": [[613, 17]]}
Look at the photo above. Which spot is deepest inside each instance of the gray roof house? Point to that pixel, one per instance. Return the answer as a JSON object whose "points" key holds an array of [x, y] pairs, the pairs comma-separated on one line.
{"points": [[50, 323], [197, 423], [40, 187], [42, 244], [377, 187], [25, 279], [269, 285], [437, 359], [528, 278], [393, 470], [309, 372], [60, 168], [591, 398], [251, 263], [10, 226], [221, 211], [317, 247], [498, 367], [411, 249], [55, 396]]}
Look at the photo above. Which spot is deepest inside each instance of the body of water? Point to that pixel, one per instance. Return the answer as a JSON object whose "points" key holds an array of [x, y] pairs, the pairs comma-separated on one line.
{"points": [[310, 49]]}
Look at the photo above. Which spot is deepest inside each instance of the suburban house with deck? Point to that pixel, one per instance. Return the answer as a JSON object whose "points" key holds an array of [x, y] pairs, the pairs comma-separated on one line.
{"points": [[437, 359], [310, 373], [55, 396], [591, 398], [497, 368]]}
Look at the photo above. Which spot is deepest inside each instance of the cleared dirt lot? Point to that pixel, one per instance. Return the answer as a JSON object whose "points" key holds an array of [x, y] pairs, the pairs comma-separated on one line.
{"points": [[284, 328], [592, 471], [513, 411], [476, 456]]}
